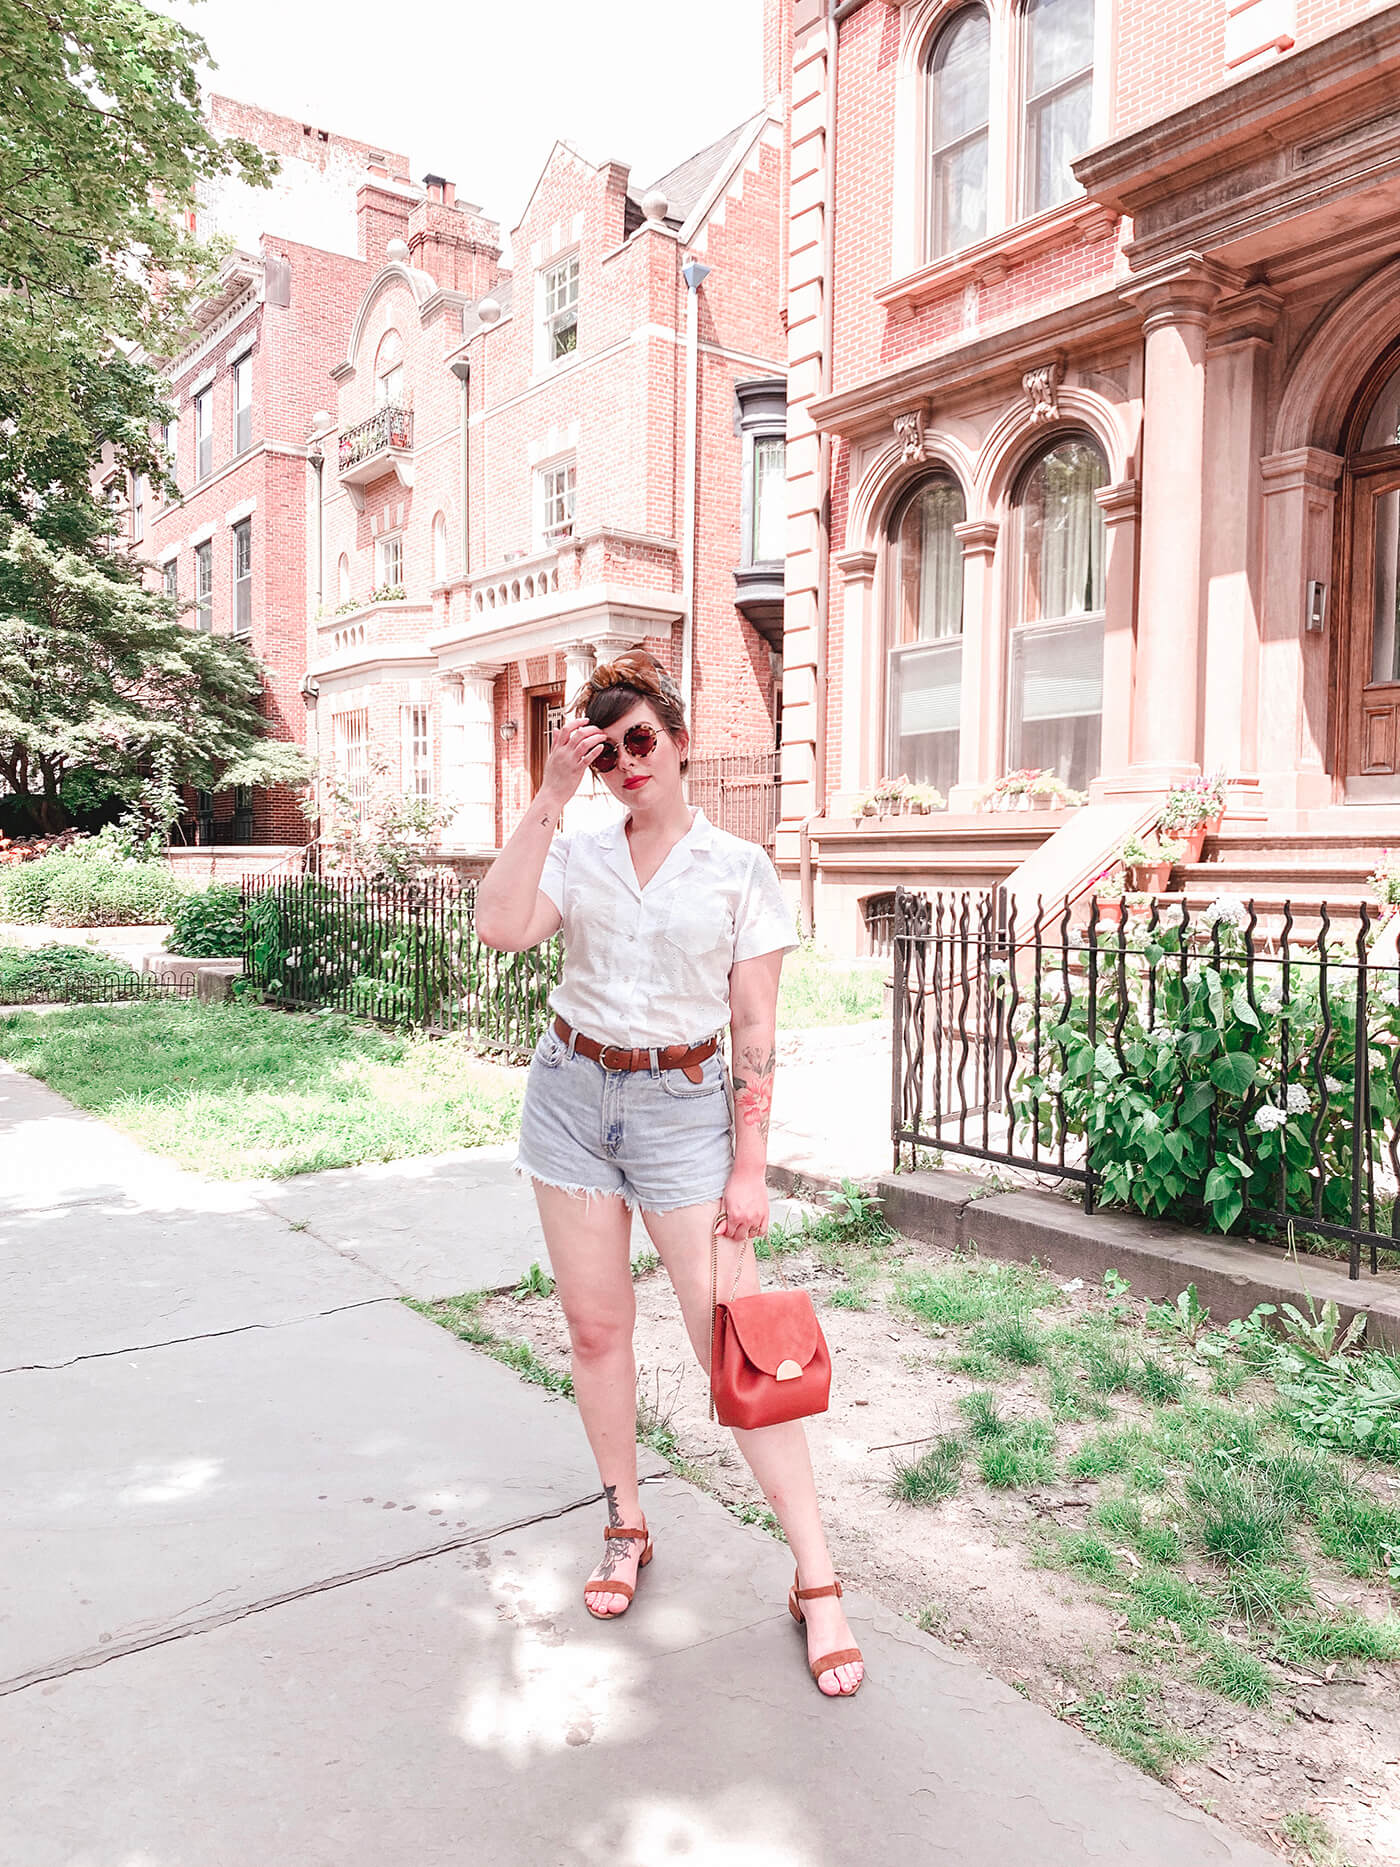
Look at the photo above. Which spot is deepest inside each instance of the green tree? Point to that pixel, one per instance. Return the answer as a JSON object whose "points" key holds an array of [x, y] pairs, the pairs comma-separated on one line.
{"points": [[102, 152], [98, 675]]}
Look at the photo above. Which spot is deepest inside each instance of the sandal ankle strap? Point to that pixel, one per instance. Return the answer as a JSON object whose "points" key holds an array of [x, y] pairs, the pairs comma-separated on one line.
{"points": [[814, 1594], [615, 1530]]}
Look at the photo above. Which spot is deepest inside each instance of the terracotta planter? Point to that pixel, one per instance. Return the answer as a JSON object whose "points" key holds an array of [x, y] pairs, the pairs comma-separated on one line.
{"points": [[1110, 913], [1042, 800], [1150, 878], [1195, 841]]}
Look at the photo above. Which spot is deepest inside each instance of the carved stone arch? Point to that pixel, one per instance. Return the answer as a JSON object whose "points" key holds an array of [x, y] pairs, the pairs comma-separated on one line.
{"points": [[1016, 436], [1328, 370], [419, 285], [889, 476], [922, 24]]}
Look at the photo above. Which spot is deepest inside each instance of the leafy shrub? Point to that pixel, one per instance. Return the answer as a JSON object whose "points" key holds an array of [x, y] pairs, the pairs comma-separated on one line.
{"points": [[92, 886], [208, 924], [53, 974]]}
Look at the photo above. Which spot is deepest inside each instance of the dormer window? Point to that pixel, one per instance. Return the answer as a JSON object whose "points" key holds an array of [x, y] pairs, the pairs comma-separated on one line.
{"points": [[388, 372]]}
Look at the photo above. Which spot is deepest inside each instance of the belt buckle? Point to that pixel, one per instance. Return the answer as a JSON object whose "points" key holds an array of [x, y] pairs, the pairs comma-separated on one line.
{"points": [[615, 1068]]}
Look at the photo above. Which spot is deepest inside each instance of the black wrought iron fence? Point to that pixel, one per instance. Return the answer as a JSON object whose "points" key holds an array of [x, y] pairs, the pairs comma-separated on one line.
{"points": [[1217, 1067], [400, 954], [115, 987], [738, 792]]}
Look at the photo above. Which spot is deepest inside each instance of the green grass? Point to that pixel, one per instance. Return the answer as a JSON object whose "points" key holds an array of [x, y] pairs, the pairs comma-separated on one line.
{"points": [[1125, 1719], [1089, 1554], [1360, 1533], [1236, 1520], [1232, 1673], [1161, 1595], [817, 992], [934, 1475], [982, 1411], [849, 1296], [460, 1315], [971, 1292], [242, 1092], [1337, 1637], [1311, 1836], [1023, 1455], [1015, 1338], [1261, 1593]]}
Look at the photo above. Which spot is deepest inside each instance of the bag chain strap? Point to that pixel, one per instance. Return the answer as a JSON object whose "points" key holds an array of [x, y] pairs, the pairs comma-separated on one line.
{"points": [[714, 1289]]}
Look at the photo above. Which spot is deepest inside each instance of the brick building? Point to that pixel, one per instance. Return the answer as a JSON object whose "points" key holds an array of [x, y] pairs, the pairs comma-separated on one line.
{"points": [[530, 470], [236, 544], [1094, 374]]}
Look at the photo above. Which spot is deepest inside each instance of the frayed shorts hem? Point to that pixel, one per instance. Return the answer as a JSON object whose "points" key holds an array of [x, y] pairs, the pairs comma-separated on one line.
{"points": [[627, 1193]]}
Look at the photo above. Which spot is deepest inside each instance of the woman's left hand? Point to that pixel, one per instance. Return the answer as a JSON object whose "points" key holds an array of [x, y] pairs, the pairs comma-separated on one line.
{"points": [[744, 1214]]}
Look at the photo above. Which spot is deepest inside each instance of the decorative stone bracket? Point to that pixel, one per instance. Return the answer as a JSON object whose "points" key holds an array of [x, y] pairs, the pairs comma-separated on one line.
{"points": [[1042, 387], [909, 432]]}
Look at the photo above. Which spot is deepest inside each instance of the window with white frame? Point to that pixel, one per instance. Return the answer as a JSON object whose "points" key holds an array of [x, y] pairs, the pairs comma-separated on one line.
{"points": [[388, 372], [203, 435], [243, 577], [556, 485], [958, 75], [138, 507], [1057, 59], [924, 596], [342, 579], [1055, 681], [171, 576], [388, 562], [439, 548], [561, 308], [243, 405], [350, 739], [768, 527], [417, 751], [204, 586]]}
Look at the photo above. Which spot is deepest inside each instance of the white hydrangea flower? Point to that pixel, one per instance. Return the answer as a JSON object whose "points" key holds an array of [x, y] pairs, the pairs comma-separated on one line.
{"points": [[1297, 1101], [1269, 1117], [1271, 1002], [998, 968], [1228, 909], [1054, 1082], [1332, 1086]]}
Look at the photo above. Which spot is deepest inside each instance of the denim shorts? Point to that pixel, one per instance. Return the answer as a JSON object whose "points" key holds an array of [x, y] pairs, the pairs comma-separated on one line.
{"points": [[658, 1140]]}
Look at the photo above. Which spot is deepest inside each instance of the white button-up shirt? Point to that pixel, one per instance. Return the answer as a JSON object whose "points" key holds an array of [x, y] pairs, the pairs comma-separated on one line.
{"points": [[650, 966]]}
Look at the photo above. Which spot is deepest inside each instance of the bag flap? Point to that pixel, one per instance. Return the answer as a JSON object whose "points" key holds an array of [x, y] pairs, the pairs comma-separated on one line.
{"points": [[774, 1327]]}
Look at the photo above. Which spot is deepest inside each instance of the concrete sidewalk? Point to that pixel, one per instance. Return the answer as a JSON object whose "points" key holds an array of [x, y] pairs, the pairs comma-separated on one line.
{"points": [[288, 1575]]}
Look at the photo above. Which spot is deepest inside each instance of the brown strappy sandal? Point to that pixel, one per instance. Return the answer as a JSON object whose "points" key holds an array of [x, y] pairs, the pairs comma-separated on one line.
{"points": [[600, 1585], [828, 1662]]}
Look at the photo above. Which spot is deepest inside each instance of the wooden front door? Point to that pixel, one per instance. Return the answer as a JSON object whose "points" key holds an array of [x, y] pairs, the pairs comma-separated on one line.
{"points": [[546, 716], [1370, 672]]}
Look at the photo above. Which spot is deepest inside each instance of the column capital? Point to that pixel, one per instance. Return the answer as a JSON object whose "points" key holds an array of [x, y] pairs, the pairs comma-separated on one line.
{"points": [[856, 566], [1245, 318], [1183, 290], [473, 671], [1119, 503], [1300, 466], [978, 537]]}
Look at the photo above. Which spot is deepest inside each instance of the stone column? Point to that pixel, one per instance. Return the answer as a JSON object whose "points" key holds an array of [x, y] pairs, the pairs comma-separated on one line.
{"points": [[469, 756], [580, 659], [863, 733], [1176, 303], [1121, 506], [1237, 373], [982, 716], [1300, 497]]}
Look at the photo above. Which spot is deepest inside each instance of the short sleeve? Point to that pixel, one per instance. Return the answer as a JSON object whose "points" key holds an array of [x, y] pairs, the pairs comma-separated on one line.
{"points": [[556, 865], [763, 921]]}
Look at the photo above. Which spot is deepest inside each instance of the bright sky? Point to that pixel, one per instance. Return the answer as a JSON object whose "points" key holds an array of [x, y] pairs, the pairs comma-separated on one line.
{"points": [[480, 90]]}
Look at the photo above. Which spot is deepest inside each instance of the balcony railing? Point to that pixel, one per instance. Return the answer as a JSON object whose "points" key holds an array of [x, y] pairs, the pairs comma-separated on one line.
{"points": [[388, 430]]}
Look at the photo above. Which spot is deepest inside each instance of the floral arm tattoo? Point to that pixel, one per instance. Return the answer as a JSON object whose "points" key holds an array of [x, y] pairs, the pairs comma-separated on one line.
{"points": [[753, 1086]]}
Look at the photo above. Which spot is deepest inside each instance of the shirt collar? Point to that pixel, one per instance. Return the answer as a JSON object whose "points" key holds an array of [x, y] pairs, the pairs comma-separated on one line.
{"points": [[618, 856]]}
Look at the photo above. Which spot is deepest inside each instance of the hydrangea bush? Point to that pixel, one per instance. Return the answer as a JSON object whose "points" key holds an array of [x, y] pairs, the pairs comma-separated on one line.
{"points": [[1208, 1081]]}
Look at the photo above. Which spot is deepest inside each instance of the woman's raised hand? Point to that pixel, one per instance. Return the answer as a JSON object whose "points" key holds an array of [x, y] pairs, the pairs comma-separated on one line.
{"points": [[576, 745]]}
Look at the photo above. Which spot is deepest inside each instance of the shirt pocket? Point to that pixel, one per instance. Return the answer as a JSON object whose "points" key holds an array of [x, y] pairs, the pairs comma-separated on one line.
{"points": [[698, 924]]}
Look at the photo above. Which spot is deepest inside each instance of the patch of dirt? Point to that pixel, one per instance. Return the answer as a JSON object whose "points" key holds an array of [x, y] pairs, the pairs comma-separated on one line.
{"points": [[964, 1568]]}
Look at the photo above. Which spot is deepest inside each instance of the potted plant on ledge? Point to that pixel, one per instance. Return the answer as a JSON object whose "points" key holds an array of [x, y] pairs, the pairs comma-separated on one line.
{"points": [[1048, 792], [1193, 811], [1106, 896], [1149, 862]]}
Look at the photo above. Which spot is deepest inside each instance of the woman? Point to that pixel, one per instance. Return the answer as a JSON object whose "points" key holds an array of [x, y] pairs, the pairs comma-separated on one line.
{"points": [[671, 929]]}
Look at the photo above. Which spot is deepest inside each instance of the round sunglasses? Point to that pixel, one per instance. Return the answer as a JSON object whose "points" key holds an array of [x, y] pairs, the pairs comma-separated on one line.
{"points": [[639, 741]]}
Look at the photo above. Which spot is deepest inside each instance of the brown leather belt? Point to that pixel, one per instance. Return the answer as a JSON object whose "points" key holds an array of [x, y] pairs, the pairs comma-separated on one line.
{"points": [[687, 1058]]}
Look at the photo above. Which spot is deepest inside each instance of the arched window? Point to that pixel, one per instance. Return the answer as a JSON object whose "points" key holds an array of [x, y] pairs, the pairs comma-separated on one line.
{"points": [[1058, 63], [342, 579], [925, 591], [959, 96], [439, 548], [388, 371], [1056, 665]]}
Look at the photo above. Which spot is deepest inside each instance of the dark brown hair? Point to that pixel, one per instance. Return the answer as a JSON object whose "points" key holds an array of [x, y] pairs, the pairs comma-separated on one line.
{"points": [[615, 687]]}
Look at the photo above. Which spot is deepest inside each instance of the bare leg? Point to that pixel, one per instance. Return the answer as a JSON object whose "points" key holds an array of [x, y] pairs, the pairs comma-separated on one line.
{"points": [[776, 1455], [588, 1241]]}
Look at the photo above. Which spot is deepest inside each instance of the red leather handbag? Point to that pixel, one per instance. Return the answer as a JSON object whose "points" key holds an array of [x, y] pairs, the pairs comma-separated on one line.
{"points": [[769, 1360]]}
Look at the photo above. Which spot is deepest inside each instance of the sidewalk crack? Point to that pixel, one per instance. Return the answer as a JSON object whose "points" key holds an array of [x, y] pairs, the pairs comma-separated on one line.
{"points": [[202, 1335], [210, 1623]]}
